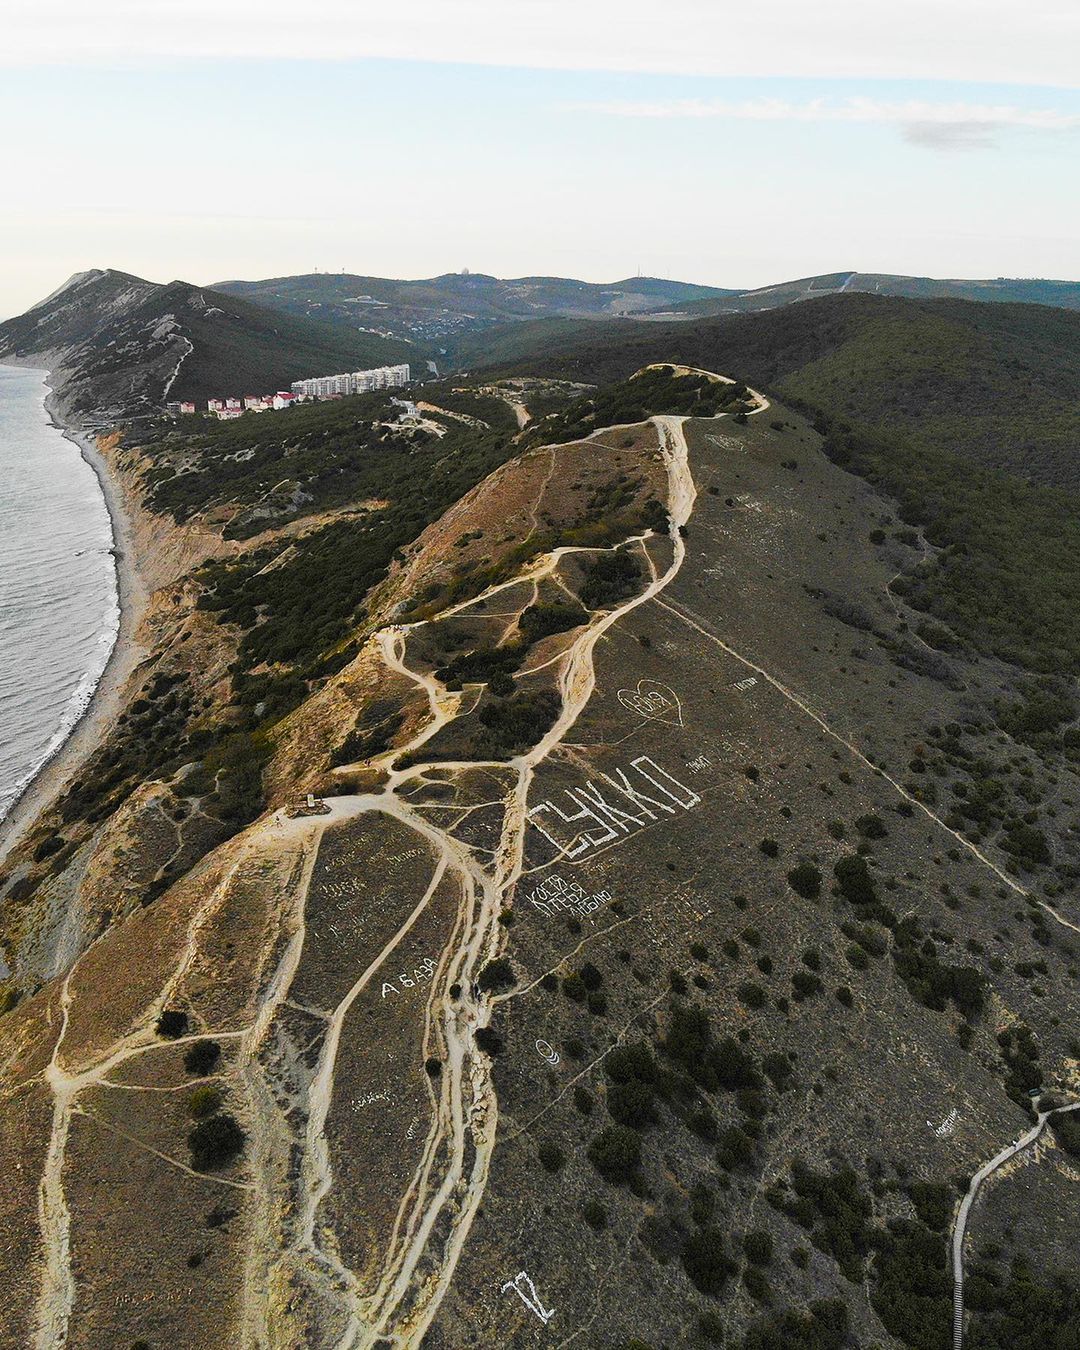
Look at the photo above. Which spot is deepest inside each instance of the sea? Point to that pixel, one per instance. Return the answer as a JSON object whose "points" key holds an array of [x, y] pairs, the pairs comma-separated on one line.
{"points": [[59, 604]]}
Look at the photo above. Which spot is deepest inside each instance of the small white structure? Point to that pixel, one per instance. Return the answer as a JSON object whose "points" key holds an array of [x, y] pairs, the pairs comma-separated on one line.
{"points": [[283, 399], [187, 408], [215, 405]]}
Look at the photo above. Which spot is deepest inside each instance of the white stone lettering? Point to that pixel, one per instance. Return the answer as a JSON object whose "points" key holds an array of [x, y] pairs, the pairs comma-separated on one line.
{"points": [[409, 979], [556, 895], [609, 821], [523, 1286], [654, 701], [947, 1126]]}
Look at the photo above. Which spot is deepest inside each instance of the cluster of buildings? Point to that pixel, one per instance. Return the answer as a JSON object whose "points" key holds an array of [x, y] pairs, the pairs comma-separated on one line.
{"points": [[355, 382], [302, 391]]}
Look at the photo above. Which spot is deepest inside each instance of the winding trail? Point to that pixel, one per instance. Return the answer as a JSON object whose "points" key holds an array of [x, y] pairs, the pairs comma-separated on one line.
{"points": [[293, 1243], [1028, 1138], [699, 625], [176, 370], [446, 1188]]}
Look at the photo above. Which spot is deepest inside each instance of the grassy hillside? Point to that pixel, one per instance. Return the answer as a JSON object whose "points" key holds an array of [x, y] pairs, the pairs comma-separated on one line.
{"points": [[996, 383], [242, 347], [1015, 290], [967, 414], [759, 987], [115, 342]]}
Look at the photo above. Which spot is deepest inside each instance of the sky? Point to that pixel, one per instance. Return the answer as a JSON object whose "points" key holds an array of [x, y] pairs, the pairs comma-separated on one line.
{"points": [[734, 145]]}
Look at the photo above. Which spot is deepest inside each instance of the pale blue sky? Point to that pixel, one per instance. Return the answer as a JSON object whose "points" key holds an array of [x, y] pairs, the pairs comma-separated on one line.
{"points": [[236, 167]]}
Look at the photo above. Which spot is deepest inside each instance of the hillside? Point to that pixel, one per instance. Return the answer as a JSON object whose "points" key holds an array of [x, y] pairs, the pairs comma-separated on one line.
{"points": [[455, 310], [995, 383], [1004, 290], [682, 921], [118, 345]]}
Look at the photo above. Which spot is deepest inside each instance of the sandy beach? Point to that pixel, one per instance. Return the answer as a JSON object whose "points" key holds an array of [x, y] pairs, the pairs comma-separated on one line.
{"points": [[126, 654]]}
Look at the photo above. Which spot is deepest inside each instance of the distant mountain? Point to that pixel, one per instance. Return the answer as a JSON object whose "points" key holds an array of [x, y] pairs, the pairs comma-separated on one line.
{"points": [[1029, 290], [465, 319], [118, 345], [452, 310]]}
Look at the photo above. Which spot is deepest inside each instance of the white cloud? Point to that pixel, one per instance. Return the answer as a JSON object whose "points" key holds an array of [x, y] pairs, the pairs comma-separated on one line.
{"points": [[939, 126], [977, 40]]}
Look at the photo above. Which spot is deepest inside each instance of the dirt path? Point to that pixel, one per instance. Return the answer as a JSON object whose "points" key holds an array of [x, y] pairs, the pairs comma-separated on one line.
{"points": [[446, 1188], [1028, 1138], [699, 625]]}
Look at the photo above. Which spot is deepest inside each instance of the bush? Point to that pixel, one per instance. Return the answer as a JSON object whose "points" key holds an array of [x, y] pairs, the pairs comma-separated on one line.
{"points": [[552, 1156], [751, 994], [583, 1101], [854, 880], [616, 1154], [519, 722], [540, 621], [631, 1104], [805, 985], [204, 1101], [824, 1327], [611, 578], [706, 1261], [573, 986], [805, 880], [769, 847], [591, 977], [215, 1142], [595, 1214], [913, 1297], [871, 827], [933, 1203], [202, 1057], [757, 1285], [171, 1023], [758, 1247], [837, 1212], [497, 975], [736, 1150], [1066, 1130], [489, 1040]]}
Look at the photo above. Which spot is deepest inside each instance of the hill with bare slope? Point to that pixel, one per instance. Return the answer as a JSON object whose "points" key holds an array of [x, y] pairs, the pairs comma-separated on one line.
{"points": [[677, 924], [118, 346]]}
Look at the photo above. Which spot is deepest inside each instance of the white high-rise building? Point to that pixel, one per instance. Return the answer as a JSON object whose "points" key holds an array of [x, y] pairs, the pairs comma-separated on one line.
{"points": [[355, 382]]}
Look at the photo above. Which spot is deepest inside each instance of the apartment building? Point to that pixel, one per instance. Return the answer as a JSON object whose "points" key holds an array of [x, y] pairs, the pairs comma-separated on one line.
{"points": [[354, 382]]}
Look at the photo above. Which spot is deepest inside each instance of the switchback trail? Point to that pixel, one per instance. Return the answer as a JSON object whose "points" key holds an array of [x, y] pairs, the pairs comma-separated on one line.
{"points": [[291, 1241], [448, 1184]]}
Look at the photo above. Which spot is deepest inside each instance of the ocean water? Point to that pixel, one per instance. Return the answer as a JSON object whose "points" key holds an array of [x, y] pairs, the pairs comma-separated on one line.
{"points": [[59, 610]]}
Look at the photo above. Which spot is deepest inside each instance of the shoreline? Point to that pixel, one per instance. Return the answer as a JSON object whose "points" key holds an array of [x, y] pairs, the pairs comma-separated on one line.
{"points": [[56, 771]]}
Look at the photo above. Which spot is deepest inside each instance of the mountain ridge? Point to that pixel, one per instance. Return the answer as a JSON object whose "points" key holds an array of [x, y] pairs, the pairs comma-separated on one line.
{"points": [[118, 345]]}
